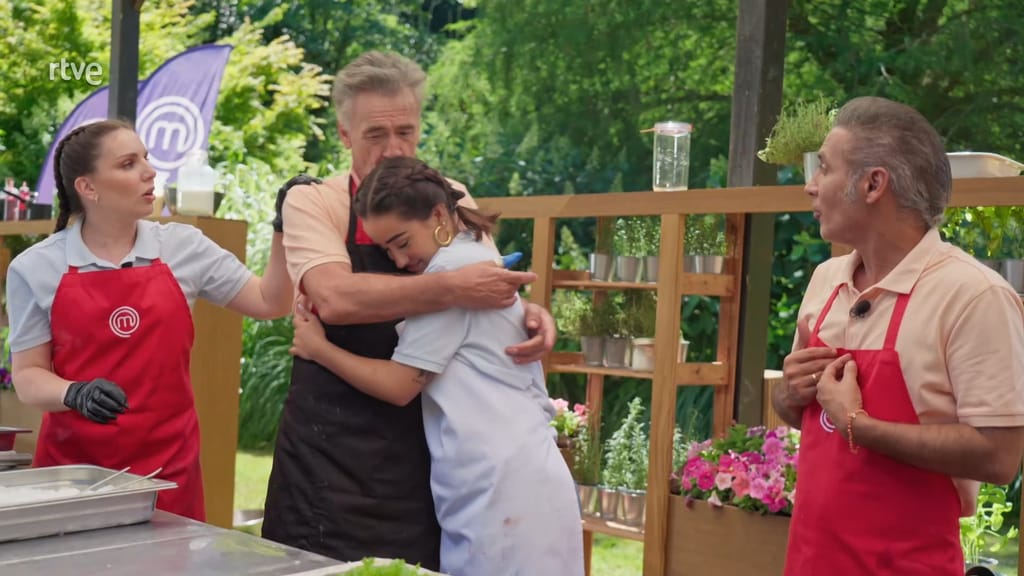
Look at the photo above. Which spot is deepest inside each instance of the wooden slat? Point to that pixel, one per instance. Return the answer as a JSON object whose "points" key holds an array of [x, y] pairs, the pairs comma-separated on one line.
{"points": [[602, 526], [702, 374], [602, 370], [729, 325], [597, 285], [748, 199], [27, 228], [543, 252], [723, 285]]}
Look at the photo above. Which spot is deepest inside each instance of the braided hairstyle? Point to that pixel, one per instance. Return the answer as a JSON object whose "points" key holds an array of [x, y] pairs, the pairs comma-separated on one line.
{"points": [[411, 189], [75, 157]]}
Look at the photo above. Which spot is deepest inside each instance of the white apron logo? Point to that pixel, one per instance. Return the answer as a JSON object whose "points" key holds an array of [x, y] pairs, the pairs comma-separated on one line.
{"points": [[124, 321], [826, 423]]}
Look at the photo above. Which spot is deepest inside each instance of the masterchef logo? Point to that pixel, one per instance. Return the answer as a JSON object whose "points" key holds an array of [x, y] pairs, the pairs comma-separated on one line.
{"points": [[124, 321], [826, 423]]}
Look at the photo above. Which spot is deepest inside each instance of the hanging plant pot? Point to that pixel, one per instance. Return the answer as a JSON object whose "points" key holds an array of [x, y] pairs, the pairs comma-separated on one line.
{"points": [[601, 266], [593, 350], [627, 268], [651, 264], [616, 352]]}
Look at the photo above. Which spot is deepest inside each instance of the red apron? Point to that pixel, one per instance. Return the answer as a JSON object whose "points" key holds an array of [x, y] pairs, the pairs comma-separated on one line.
{"points": [[133, 327], [866, 513]]}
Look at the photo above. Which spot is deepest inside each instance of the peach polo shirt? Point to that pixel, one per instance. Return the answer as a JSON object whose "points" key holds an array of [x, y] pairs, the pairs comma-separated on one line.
{"points": [[316, 224], [961, 343]]}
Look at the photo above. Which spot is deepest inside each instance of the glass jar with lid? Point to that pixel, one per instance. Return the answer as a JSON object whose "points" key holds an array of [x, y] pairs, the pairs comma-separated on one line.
{"points": [[671, 155]]}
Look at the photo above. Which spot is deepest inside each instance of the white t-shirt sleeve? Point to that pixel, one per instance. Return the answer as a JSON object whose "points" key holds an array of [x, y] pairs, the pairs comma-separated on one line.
{"points": [[205, 269], [430, 341], [29, 322]]}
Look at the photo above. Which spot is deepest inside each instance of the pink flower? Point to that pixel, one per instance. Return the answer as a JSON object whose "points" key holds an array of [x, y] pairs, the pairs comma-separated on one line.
{"points": [[560, 405], [580, 410], [758, 488], [723, 481], [714, 501], [741, 486], [774, 449], [706, 480]]}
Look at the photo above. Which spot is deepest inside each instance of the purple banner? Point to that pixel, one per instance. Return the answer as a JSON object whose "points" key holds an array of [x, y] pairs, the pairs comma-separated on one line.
{"points": [[175, 111]]}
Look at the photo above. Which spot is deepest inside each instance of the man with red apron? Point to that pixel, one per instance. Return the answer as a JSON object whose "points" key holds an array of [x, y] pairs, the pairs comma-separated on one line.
{"points": [[132, 326], [850, 492]]}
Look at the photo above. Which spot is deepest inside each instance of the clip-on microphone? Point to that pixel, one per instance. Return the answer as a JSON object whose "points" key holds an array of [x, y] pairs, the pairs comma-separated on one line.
{"points": [[860, 309]]}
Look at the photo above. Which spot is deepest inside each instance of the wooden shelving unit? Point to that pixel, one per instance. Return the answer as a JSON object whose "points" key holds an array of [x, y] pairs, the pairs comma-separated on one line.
{"points": [[674, 282]]}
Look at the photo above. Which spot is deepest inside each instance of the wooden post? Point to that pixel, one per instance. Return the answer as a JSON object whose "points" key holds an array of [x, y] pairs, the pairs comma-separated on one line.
{"points": [[756, 102], [124, 60], [663, 393]]}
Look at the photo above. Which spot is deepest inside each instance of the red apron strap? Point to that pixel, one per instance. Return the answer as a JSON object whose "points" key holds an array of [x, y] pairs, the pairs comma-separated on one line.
{"points": [[895, 321], [824, 311]]}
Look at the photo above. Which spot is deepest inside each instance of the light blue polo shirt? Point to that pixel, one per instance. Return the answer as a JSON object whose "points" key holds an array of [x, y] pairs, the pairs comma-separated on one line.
{"points": [[202, 268]]}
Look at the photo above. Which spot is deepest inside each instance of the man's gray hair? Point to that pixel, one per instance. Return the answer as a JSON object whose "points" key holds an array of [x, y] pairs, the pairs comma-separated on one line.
{"points": [[385, 73], [898, 138]]}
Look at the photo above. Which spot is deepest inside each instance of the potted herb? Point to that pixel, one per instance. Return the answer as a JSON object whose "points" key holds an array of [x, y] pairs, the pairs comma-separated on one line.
{"points": [[594, 326], [586, 470], [705, 243], [601, 263], [650, 243], [616, 342], [798, 134], [628, 249], [641, 310], [633, 492]]}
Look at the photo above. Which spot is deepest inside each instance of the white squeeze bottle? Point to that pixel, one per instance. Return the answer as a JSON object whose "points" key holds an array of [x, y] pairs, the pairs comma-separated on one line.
{"points": [[196, 183]]}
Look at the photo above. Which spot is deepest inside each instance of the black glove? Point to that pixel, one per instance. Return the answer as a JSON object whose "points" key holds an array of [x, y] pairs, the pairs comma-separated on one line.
{"points": [[283, 191], [98, 400]]}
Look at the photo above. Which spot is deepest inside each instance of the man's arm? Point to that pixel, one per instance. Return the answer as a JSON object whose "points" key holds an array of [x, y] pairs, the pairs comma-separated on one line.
{"points": [[990, 455], [344, 297]]}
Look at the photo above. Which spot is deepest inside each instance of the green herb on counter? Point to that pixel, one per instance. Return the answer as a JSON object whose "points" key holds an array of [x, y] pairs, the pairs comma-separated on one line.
{"points": [[395, 568]]}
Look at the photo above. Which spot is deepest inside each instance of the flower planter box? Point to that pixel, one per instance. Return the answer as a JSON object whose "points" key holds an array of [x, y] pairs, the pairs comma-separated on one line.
{"points": [[706, 540]]}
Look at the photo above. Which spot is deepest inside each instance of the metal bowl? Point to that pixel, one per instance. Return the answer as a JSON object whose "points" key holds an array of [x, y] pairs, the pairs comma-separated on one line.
{"points": [[171, 199]]}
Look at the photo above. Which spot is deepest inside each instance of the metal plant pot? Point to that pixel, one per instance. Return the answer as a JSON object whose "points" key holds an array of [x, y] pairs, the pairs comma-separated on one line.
{"points": [[616, 352], [684, 346], [634, 507], [811, 165], [590, 501], [711, 264], [651, 269], [609, 502], [691, 263], [601, 266], [627, 268], [593, 350]]}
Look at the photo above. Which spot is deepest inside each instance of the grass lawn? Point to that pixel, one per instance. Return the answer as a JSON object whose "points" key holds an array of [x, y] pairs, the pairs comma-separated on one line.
{"points": [[612, 556]]}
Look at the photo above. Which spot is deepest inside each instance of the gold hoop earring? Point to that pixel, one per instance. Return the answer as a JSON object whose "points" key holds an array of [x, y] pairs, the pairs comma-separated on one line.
{"points": [[437, 236]]}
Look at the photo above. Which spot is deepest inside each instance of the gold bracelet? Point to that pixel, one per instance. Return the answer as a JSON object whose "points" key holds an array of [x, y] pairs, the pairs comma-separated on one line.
{"points": [[849, 427]]}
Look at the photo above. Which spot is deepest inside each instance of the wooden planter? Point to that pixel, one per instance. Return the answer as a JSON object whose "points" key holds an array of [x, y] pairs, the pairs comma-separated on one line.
{"points": [[707, 540]]}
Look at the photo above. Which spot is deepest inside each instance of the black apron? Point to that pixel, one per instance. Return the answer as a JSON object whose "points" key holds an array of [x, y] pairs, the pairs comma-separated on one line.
{"points": [[351, 474]]}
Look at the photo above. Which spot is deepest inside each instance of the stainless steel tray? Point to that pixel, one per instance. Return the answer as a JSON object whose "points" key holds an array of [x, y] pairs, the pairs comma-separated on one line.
{"points": [[113, 507]]}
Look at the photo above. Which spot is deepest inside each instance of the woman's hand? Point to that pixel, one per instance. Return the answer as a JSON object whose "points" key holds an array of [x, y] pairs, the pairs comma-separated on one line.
{"points": [[309, 337]]}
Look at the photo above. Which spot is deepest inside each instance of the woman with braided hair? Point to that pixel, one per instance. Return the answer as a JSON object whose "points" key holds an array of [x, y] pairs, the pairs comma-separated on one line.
{"points": [[100, 317], [503, 495]]}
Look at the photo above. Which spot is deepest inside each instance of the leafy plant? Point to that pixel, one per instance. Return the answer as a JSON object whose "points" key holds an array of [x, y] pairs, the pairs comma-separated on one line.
{"points": [[568, 423], [630, 237], [801, 128], [983, 530], [571, 310], [640, 311], [586, 469], [372, 567], [626, 452], [649, 236], [750, 468], [602, 319], [705, 234]]}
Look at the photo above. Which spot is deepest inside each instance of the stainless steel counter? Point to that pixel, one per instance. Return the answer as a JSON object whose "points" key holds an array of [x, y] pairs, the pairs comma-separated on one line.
{"points": [[168, 545]]}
